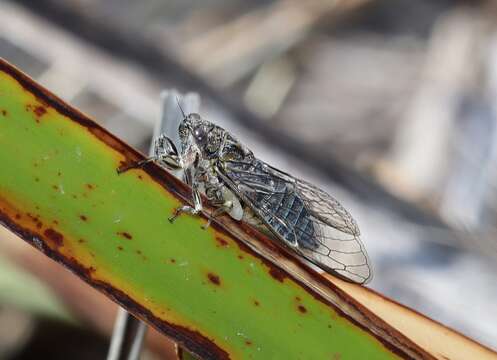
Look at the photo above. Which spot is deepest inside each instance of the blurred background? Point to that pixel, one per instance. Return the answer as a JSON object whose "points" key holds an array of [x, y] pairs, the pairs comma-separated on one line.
{"points": [[389, 105]]}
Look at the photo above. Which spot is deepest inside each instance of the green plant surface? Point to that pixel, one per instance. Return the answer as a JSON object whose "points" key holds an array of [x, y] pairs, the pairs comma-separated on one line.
{"points": [[59, 191]]}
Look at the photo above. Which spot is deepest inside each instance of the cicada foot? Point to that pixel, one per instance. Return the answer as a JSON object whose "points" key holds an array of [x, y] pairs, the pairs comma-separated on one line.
{"points": [[184, 209]]}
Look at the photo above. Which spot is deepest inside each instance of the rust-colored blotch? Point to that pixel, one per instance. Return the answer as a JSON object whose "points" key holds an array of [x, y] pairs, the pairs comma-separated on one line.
{"points": [[221, 242], [213, 278], [125, 235], [54, 236], [277, 274], [37, 110]]}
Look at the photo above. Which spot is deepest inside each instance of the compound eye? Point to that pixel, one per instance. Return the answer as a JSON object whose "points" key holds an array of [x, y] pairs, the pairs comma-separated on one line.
{"points": [[200, 134]]}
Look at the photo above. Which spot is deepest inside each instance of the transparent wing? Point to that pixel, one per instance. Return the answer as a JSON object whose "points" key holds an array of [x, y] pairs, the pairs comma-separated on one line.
{"points": [[326, 208], [303, 216], [339, 247], [347, 258]]}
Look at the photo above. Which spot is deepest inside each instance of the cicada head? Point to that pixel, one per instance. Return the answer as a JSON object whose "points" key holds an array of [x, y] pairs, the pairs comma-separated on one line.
{"points": [[200, 133]]}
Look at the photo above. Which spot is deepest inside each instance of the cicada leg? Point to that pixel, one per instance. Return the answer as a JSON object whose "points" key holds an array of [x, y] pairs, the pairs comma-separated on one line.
{"points": [[226, 207], [197, 206], [197, 199]]}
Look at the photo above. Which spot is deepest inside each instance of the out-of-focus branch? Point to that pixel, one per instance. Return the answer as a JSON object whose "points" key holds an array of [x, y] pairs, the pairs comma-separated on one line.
{"points": [[228, 52]]}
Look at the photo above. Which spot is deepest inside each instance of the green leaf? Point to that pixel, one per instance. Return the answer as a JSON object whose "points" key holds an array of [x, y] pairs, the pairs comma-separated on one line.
{"points": [[208, 290]]}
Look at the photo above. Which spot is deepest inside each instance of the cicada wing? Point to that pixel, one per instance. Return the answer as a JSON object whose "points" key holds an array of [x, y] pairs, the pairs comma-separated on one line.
{"points": [[340, 252], [306, 216], [339, 247], [326, 208]]}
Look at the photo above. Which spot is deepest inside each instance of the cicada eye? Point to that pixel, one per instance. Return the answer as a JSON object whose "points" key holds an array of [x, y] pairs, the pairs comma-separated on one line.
{"points": [[200, 134]]}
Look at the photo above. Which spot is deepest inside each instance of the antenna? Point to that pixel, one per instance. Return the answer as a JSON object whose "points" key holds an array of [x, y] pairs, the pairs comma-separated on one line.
{"points": [[182, 112]]}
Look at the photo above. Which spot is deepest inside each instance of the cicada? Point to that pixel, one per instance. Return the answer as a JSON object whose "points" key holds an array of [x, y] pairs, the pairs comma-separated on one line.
{"points": [[236, 182]]}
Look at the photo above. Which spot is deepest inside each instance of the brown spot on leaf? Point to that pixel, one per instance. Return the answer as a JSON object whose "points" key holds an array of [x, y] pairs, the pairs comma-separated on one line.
{"points": [[81, 241], [35, 219], [248, 342], [277, 274], [37, 110], [213, 278], [172, 261], [55, 237], [302, 309], [90, 186], [55, 222], [83, 217], [221, 242], [241, 257], [140, 177], [257, 303], [4, 112], [139, 253], [18, 216], [120, 248], [124, 234]]}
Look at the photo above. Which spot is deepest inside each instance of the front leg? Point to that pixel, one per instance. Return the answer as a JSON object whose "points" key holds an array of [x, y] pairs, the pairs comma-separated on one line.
{"points": [[197, 199]]}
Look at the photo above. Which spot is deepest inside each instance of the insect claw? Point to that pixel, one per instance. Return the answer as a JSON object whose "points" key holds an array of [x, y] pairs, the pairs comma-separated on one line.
{"points": [[207, 224], [175, 215], [183, 209]]}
